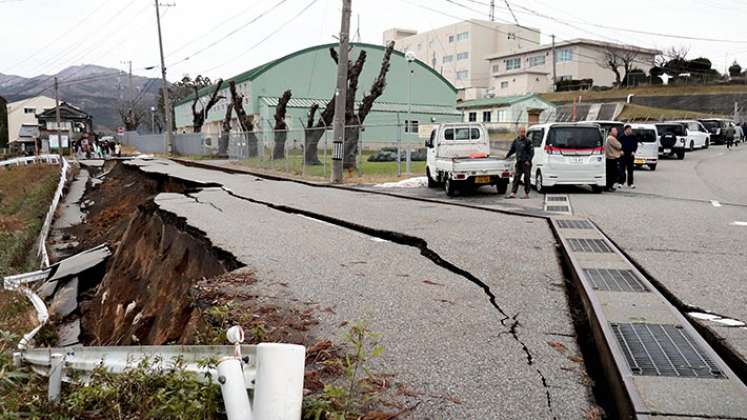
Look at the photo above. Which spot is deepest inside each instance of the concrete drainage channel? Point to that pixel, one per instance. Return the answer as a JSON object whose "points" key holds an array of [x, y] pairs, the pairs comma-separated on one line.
{"points": [[656, 362]]}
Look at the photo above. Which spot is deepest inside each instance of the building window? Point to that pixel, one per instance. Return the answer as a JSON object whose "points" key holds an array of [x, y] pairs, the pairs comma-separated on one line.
{"points": [[512, 63], [564, 56], [411, 126], [496, 68], [565, 78], [451, 38], [501, 115], [472, 117], [486, 116], [448, 59], [29, 110], [462, 36], [463, 56], [537, 60], [462, 75], [504, 85]]}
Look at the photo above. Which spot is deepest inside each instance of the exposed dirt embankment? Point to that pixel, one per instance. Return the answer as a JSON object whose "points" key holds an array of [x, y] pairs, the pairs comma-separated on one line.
{"points": [[144, 297]]}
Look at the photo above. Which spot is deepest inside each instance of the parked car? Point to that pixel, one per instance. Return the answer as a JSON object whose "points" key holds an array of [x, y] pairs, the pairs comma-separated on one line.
{"points": [[720, 129], [697, 135], [567, 154], [606, 126], [672, 137], [648, 145], [458, 158]]}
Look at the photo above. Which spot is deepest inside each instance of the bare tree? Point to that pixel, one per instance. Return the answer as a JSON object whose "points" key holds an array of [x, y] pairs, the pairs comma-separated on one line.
{"points": [[225, 132], [245, 121], [132, 116], [198, 117], [281, 127], [616, 58]]}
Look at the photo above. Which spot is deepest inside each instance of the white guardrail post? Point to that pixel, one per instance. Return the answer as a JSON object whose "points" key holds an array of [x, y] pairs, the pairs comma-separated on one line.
{"points": [[278, 391], [233, 389], [56, 362]]}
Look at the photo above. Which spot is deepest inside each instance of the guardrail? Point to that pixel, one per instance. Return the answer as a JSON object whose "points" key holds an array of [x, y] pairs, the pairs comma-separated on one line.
{"points": [[273, 371]]}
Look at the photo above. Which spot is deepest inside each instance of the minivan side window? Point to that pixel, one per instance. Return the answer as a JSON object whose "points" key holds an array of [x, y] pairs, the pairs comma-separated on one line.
{"points": [[536, 136]]}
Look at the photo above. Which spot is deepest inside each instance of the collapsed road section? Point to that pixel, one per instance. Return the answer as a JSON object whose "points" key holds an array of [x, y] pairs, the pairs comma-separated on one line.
{"points": [[421, 274]]}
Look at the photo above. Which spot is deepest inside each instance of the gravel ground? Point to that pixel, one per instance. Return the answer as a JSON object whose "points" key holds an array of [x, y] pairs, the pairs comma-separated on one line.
{"points": [[454, 342]]}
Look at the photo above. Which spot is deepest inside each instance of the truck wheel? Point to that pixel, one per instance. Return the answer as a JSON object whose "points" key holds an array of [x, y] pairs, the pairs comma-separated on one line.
{"points": [[538, 183], [652, 167], [502, 186], [450, 187], [432, 183], [681, 154]]}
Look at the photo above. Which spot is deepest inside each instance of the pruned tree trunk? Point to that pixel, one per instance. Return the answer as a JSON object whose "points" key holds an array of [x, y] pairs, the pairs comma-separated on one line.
{"points": [[315, 133], [198, 117], [281, 128], [225, 133], [352, 134], [245, 121]]}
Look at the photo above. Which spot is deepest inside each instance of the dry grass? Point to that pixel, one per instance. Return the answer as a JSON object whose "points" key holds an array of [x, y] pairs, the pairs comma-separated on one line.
{"points": [[633, 112], [678, 90]]}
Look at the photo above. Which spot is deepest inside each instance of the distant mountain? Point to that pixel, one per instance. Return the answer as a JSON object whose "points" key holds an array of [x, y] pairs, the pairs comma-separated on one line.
{"points": [[96, 90]]}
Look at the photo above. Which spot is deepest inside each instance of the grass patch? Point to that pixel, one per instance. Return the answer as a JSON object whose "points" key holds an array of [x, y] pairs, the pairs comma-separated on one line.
{"points": [[673, 90], [633, 112], [25, 195]]}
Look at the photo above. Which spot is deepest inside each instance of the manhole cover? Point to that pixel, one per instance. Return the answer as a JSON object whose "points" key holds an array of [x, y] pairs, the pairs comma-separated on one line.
{"points": [[557, 198], [663, 350], [614, 280], [574, 224], [589, 245], [560, 209]]}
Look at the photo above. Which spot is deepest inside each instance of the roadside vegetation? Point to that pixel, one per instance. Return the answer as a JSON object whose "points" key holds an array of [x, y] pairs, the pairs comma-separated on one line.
{"points": [[672, 90]]}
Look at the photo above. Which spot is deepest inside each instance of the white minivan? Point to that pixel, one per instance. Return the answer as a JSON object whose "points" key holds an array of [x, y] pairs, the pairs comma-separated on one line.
{"points": [[567, 154], [697, 135], [648, 145]]}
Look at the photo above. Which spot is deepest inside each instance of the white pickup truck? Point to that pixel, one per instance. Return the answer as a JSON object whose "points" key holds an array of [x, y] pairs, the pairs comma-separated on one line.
{"points": [[459, 159]]}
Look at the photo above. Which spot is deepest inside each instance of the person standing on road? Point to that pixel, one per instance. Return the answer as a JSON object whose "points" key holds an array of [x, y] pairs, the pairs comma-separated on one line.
{"points": [[524, 151], [629, 144], [612, 152], [729, 134]]}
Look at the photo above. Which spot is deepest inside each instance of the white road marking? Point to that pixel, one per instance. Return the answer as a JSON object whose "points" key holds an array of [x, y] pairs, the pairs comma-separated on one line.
{"points": [[715, 203], [739, 224]]}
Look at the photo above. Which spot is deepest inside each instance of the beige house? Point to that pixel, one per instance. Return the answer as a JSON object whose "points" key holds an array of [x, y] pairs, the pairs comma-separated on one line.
{"points": [[507, 112], [24, 112], [530, 70], [458, 51]]}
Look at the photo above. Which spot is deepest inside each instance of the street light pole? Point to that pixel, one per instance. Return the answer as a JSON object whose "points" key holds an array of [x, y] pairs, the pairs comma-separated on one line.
{"points": [[341, 94], [410, 56], [164, 87]]}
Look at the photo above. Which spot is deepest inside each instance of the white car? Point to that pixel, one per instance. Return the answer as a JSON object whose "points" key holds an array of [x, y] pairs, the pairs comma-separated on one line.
{"points": [[567, 154], [648, 145], [697, 135], [673, 138], [458, 158]]}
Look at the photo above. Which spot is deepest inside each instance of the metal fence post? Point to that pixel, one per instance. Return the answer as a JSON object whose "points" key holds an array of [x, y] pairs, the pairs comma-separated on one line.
{"points": [[324, 161], [56, 361], [233, 389], [399, 148], [278, 389], [408, 155], [303, 147]]}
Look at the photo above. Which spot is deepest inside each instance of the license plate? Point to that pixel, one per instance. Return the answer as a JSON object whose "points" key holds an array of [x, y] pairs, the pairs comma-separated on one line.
{"points": [[576, 161], [667, 150], [640, 162], [482, 180]]}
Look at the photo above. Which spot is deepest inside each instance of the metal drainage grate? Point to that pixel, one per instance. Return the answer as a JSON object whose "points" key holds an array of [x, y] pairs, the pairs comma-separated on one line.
{"points": [[561, 209], [663, 350], [614, 280], [557, 198], [574, 224], [589, 245]]}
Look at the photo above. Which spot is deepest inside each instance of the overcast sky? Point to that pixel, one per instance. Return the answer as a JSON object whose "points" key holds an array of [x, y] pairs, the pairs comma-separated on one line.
{"points": [[45, 36]]}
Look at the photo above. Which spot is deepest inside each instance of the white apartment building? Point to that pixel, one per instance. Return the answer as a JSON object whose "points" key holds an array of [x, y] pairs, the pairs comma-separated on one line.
{"points": [[458, 51], [23, 113], [530, 70]]}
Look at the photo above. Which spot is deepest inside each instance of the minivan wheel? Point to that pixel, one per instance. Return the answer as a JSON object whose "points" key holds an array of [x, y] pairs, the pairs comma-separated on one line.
{"points": [[692, 145], [681, 154], [450, 187], [538, 183], [596, 189], [652, 167], [708, 144]]}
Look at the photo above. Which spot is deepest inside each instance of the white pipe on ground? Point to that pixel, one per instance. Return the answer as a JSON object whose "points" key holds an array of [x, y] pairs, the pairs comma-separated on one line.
{"points": [[278, 391], [233, 388]]}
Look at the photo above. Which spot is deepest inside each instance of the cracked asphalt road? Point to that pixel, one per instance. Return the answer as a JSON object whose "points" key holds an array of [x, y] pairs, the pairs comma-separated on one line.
{"points": [[421, 287]]}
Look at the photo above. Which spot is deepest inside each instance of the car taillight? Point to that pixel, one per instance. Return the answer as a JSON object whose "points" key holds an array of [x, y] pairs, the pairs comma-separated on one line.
{"points": [[550, 150], [597, 151]]}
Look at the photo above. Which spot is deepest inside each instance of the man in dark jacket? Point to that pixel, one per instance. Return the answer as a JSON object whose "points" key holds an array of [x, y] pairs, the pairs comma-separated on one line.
{"points": [[629, 146], [524, 151]]}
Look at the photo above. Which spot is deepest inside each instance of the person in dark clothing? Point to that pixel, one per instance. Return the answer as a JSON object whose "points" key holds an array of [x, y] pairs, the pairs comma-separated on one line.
{"points": [[629, 146], [524, 151]]}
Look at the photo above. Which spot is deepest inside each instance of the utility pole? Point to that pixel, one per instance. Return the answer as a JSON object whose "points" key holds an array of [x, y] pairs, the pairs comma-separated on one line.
{"points": [[492, 10], [165, 88], [554, 71], [341, 94], [57, 117]]}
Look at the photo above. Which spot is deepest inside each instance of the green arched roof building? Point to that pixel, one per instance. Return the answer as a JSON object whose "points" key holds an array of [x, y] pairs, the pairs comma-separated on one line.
{"points": [[310, 74]]}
